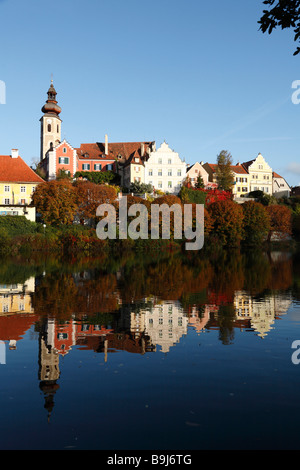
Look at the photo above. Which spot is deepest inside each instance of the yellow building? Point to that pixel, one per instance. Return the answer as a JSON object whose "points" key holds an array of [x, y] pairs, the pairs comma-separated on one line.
{"points": [[17, 184], [241, 179]]}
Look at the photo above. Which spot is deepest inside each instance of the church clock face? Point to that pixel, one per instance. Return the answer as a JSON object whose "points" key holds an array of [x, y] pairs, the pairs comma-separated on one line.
{"points": [[49, 121]]}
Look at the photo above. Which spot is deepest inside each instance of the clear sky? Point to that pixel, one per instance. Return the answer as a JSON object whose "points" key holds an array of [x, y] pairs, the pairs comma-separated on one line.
{"points": [[197, 74]]}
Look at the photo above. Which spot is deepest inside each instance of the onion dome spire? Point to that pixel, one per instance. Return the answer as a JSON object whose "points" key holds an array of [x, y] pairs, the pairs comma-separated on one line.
{"points": [[51, 106]]}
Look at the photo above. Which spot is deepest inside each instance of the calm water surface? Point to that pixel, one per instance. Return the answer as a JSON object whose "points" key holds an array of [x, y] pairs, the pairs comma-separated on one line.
{"points": [[150, 352]]}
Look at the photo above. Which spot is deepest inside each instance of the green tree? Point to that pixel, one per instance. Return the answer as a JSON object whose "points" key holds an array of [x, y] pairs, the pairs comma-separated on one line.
{"points": [[284, 14], [140, 188], [199, 183], [224, 174], [98, 177], [256, 223]]}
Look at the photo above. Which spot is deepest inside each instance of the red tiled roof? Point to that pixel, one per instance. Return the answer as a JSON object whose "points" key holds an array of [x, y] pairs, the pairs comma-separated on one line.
{"points": [[15, 170], [235, 168], [276, 175], [115, 150]]}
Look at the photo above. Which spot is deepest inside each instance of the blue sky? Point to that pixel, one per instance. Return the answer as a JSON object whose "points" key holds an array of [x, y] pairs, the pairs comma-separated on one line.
{"points": [[196, 74]]}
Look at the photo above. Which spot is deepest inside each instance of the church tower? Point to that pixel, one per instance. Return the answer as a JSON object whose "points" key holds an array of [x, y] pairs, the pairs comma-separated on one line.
{"points": [[50, 123]]}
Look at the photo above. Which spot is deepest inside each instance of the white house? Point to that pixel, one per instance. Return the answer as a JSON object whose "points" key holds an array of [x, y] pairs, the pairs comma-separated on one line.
{"points": [[165, 170], [260, 174], [196, 170], [280, 186]]}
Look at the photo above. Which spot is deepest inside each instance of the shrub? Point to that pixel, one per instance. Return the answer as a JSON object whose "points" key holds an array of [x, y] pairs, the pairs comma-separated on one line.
{"points": [[17, 225]]}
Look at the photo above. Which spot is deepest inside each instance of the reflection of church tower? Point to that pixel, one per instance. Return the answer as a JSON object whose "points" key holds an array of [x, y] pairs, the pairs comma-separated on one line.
{"points": [[49, 366], [50, 123]]}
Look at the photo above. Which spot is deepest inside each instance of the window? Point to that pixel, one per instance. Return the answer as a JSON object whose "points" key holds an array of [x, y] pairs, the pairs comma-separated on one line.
{"points": [[160, 172], [169, 172], [179, 172], [57, 128], [63, 160], [64, 150], [267, 189], [33, 189], [6, 189], [260, 167], [160, 184], [136, 160], [86, 166], [49, 127], [169, 161], [150, 172], [244, 190], [109, 167], [23, 202], [169, 184], [23, 189], [239, 189], [97, 166], [6, 201]]}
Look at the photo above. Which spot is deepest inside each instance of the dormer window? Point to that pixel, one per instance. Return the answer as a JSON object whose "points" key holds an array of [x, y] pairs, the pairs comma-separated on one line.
{"points": [[86, 155]]}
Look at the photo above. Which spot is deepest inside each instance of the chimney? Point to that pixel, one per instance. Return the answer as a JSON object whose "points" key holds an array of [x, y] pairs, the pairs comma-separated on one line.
{"points": [[142, 149], [14, 153], [106, 144]]}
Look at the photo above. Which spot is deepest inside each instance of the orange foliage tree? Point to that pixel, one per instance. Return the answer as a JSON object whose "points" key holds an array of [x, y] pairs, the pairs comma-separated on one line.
{"points": [[227, 222], [91, 195], [56, 201], [280, 221]]}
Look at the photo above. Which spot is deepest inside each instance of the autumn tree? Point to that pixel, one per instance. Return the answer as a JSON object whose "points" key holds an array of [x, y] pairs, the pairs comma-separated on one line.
{"points": [[90, 196], [284, 14], [256, 223], [56, 201], [224, 174], [280, 221], [227, 222]]}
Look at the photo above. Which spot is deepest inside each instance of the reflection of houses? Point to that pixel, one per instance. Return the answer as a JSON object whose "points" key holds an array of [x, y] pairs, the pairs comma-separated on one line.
{"points": [[260, 312], [16, 311], [199, 322], [164, 322], [16, 298]]}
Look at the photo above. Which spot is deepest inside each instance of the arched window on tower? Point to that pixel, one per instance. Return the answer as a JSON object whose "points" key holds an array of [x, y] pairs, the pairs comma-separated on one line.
{"points": [[57, 128], [49, 127]]}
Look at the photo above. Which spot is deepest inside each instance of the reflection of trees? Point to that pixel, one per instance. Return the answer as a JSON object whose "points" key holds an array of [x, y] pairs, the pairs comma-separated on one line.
{"points": [[72, 288], [63, 297]]}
